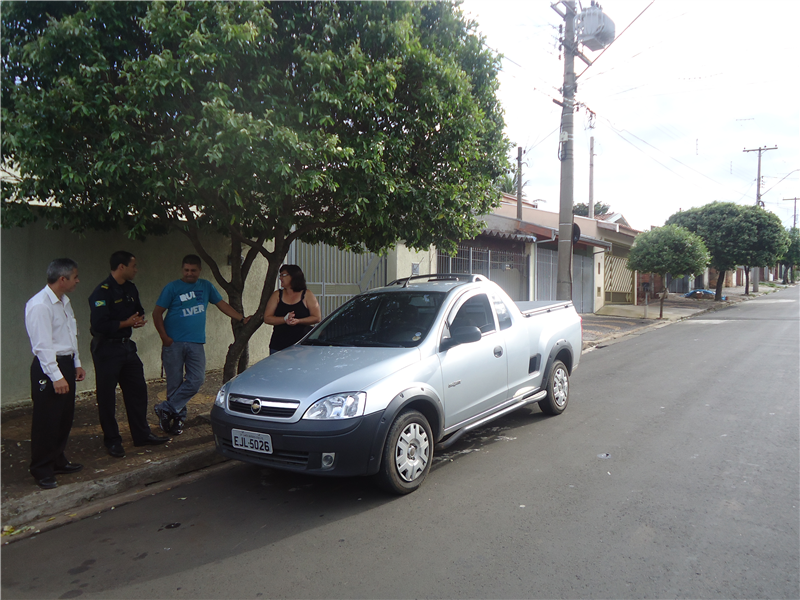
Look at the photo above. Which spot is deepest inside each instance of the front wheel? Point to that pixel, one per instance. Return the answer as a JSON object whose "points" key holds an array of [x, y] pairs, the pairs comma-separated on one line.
{"points": [[407, 454], [557, 390]]}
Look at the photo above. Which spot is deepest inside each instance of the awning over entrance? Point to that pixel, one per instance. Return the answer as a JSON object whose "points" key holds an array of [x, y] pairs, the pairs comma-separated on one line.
{"points": [[517, 236]]}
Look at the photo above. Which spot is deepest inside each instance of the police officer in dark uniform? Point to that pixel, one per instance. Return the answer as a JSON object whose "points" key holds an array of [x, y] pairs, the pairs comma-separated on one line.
{"points": [[115, 312]]}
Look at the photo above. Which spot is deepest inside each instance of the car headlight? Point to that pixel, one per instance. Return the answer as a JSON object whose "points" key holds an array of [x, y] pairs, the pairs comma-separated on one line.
{"points": [[221, 395], [338, 406]]}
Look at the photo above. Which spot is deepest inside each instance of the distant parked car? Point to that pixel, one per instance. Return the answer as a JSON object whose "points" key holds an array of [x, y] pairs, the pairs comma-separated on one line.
{"points": [[702, 294]]}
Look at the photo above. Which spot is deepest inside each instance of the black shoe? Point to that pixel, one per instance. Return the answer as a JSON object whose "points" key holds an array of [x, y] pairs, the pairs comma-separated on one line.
{"points": [[164, 418], [116, 450], [177, 426], [152, 440], [47, 483], [68, 468]]}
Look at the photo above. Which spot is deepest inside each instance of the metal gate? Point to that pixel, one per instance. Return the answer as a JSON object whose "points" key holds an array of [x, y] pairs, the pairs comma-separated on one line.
{"points": [[336, 275], [618, 281], [509, 270], [582, 283], [678, 286], [582, 278]]}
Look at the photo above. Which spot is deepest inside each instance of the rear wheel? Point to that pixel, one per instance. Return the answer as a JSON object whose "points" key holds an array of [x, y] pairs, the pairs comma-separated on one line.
{"points": [[407, 454], [557, 390]]}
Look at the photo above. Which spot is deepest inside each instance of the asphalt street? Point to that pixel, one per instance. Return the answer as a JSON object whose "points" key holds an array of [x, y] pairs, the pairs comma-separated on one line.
{"points": [[674, 472]]}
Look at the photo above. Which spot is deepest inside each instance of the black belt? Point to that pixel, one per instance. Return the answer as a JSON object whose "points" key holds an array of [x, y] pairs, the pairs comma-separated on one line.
{"points": [[65, 356], [119, 340]]}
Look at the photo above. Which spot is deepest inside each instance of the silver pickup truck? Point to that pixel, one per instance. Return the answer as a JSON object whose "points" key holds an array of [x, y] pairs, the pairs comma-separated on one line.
{"points": [[394, 372]]}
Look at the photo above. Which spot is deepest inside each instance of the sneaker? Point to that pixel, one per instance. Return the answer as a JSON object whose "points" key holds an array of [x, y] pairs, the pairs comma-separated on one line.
{"points": [[177, 426], [164, 418]]}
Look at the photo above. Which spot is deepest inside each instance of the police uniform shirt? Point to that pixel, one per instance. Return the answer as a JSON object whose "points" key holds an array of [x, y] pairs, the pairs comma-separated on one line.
{"points": [[112, 303]]}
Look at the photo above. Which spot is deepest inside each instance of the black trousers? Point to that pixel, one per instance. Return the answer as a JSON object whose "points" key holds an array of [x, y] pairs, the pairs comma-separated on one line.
{"points": [[52, 418], [117, 363]]}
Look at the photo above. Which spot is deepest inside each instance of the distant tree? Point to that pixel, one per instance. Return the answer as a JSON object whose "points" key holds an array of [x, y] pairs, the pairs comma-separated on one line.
{"points": [[582, 209], [507, 183], [669, 249], [762, 240], [355, 124], [791, 258], [717, 224]]}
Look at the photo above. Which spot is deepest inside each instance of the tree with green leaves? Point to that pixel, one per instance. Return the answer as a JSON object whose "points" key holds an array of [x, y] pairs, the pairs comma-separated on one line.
{"points": [[356, 124], [507, 183], [762, 240], [791, 257], [581, 209], [717, 224], [669, 249]]}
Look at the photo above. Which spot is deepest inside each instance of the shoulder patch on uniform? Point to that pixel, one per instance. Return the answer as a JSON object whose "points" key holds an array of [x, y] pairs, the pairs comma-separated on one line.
{"points": [[100, 303], [104, 286]]}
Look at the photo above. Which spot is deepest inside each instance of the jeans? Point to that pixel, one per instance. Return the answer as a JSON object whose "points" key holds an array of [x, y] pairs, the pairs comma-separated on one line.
{"points": [[180, 358]]}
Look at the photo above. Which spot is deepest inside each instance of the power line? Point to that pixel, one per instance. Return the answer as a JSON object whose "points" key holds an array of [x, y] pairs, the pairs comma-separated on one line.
{"points": [[782, 178], [615, 39]]}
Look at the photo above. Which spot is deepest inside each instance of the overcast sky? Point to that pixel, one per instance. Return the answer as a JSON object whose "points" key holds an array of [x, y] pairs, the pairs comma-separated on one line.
{"points": [[678, 96]]}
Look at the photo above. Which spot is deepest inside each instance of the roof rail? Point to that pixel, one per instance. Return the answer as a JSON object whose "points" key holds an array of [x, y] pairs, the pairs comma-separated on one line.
{"points": [[465, 277]]}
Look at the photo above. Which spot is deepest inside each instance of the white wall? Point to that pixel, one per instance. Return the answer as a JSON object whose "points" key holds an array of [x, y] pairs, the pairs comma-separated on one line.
{"points": [[27, 251]]}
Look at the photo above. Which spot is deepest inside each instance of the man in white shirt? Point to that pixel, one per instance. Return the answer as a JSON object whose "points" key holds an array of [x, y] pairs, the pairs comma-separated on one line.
{"points": [[55, 370]]}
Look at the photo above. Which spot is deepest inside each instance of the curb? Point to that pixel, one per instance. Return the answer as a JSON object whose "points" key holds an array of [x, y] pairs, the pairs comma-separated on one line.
{"points": [[49, 504]]}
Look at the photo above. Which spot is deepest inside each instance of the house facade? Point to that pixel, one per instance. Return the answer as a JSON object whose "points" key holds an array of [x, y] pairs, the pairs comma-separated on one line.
{"points": [[599, 267]]}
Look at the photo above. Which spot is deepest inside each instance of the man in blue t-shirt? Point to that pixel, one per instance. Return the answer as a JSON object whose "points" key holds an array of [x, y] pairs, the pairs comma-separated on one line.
{"points": [[183, 333]]}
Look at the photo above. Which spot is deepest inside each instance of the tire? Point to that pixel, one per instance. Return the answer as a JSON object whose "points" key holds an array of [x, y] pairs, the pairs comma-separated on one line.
{"points": [[557, 390], [407, 455]]}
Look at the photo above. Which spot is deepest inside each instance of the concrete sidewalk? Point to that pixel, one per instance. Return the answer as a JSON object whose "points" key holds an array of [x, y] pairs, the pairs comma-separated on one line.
{"points": [[106, 482]]}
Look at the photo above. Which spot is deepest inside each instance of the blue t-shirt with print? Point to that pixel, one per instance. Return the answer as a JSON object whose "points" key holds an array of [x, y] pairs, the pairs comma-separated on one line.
{"points": [[186, 305]]}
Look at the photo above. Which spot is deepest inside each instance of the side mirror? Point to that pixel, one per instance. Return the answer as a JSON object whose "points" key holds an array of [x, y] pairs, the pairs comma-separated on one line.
{"points": [[462, 335]]}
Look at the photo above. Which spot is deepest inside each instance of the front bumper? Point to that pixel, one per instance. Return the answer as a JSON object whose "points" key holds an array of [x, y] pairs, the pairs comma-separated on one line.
{"points": [[299, 446]]}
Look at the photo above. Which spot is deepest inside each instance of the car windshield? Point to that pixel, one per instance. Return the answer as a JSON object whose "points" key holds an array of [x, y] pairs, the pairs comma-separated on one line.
{"points": [[390, 320]]}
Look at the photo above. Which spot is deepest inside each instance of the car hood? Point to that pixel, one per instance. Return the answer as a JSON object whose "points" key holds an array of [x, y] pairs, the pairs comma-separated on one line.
{"points": [[308, 373]]}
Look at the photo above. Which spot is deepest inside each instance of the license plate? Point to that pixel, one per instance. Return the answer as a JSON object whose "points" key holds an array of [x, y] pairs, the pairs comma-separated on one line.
{"points": [[252, 441]]}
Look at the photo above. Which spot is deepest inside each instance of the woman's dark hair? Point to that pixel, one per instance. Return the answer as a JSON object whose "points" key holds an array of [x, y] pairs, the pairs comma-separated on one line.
{"points": [[298, 283]]}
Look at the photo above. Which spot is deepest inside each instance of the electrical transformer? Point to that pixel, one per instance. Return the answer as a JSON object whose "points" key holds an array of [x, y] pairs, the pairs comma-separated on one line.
{"points": [[594, 29]]}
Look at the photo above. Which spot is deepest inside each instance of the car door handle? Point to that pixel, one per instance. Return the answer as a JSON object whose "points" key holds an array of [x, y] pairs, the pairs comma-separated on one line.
{"points": [[498, 351]]}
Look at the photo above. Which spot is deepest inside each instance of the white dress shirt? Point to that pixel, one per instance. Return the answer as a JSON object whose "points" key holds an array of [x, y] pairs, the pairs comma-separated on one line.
{"points": [[52, 330]]}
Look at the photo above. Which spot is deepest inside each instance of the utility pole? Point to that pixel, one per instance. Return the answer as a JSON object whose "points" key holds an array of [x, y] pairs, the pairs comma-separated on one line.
{"points": [[794, 223], [758, 181], [591, 177], [754, 275], [519, 183], [594, 31], [565, 218]]}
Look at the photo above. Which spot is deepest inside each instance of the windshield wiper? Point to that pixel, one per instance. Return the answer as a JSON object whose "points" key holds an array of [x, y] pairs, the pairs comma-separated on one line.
{"points": [[370, 343], [324, 343]]}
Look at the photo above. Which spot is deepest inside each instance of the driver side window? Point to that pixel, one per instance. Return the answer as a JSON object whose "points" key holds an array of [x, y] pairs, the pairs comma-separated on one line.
{"points": [[476, 312]]}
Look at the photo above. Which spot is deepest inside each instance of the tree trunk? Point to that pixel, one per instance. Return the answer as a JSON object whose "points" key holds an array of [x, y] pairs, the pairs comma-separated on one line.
{"points": [[664, 293], [237, 358], [720, 285], [747, 281]]}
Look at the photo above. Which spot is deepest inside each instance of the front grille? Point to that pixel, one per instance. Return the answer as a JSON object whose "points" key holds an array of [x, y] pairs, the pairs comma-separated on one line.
{"points": [[270, 407]]}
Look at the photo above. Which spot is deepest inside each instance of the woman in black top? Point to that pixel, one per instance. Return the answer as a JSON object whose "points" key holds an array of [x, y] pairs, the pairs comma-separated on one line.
{"points": [[291, 310]]}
